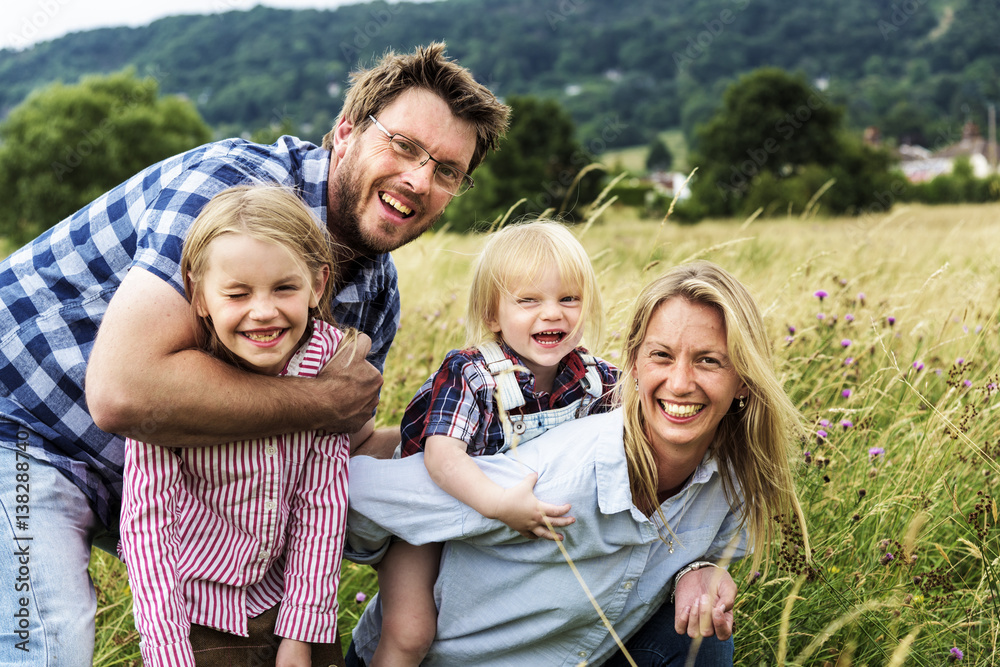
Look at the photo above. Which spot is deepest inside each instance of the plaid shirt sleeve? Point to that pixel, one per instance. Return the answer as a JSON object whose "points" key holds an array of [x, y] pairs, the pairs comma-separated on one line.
{"points": [[449, 403], [609, 378]]}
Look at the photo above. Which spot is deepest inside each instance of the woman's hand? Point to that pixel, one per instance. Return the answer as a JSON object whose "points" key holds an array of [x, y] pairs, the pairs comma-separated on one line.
{"points": [[521, 510], [292, 653], [703, 603]]}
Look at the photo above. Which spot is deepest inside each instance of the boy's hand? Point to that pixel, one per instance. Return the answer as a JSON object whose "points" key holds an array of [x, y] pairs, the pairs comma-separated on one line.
{"points": [[293, 653], [521, 510]]}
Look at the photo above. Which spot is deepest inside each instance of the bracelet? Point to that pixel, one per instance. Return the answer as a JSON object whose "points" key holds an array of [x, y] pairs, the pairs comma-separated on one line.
{"points": [[696, 565]]}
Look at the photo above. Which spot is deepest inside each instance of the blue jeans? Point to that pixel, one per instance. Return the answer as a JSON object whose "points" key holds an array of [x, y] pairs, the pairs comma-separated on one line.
{"points": [[656, 644], [47, 600]]}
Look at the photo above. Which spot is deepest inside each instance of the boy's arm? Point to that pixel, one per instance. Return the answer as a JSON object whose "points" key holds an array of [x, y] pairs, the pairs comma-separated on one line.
{"points": [[451, 468], [146, 379]]}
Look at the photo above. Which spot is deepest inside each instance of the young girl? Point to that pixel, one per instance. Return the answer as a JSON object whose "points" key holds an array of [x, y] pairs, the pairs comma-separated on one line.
{"points": [[246, 537], [533, 293]]}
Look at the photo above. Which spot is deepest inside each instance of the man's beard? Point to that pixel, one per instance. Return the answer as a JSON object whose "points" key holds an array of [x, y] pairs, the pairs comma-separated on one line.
{"points": [[344, 217]]}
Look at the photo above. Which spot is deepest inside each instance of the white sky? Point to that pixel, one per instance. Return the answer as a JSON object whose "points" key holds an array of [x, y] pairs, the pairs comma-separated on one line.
{"points": [[25, 22]]}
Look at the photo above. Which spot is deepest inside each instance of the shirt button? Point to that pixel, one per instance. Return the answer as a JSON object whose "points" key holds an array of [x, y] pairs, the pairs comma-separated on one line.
{"points": [[582, 654], [270, 505], [628, 585], [264, 553], [270, 450]]}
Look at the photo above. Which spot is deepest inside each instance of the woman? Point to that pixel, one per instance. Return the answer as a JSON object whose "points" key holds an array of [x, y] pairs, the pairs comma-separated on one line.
{"points": [[688, 471]]}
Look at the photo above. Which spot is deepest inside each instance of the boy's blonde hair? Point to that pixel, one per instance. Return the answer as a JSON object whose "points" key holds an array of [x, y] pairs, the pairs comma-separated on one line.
{"points": [[516, 256], [752, 445], [374, 89], [269, 213]]}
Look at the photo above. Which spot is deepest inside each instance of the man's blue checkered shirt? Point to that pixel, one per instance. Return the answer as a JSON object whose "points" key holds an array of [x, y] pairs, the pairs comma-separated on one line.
{"points": [[55, 290]]}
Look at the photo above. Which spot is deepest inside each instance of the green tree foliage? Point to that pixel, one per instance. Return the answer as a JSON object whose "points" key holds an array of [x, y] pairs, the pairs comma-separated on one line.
{"points": [[538, 161], [659, 157], [774, 144], [652, 67], [66, 145]]}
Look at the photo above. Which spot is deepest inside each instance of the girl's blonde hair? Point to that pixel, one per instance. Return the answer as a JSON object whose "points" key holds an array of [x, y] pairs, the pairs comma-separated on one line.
{"points": [[751, 445], [515, 256], [269, 213]]}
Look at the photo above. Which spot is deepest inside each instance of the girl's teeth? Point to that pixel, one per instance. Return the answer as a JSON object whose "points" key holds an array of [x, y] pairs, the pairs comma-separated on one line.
{"points": [[675, 410], [262, 337]]}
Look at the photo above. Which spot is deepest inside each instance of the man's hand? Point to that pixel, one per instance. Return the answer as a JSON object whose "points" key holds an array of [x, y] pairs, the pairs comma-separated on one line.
{"points": [[521, 510], [703, 603], [352, 384], [292, 653]]}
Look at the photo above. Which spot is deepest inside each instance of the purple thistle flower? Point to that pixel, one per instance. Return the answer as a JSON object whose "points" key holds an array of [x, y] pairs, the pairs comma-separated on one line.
{"points": [[846, 393], [807, 456], [887, 558], [825, 423], [821, 435], [791, 330], [789, 340], [955, 654], [891, 320], [967, 383], [846, 423], [360, 597], [919, 365], [820, 316], [861, 298], [845, 343], [875, 451], [820, 294], [848, 361], [960, 361], [979, 327]]}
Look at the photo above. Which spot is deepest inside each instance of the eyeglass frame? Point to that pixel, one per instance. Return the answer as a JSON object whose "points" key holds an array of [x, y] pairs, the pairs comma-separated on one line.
{"points": [[391, 137]]}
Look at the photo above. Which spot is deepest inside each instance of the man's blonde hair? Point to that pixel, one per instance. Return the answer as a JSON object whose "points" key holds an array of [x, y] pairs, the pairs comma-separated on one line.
{"points": [[751, 445], [516, 255], [374, 89]]}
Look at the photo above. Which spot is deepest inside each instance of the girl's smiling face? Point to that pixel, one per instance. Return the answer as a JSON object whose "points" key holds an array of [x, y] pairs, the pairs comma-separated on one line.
{"points": [[541, 321], [257, 296], [686, 381]]}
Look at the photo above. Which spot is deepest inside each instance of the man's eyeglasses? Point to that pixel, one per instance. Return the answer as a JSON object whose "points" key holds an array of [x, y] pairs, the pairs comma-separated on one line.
{"points": [[450, 179]]}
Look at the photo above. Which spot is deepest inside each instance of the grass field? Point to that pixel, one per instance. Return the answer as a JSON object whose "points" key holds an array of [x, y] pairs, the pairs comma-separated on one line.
{"points": [[895, 371]]}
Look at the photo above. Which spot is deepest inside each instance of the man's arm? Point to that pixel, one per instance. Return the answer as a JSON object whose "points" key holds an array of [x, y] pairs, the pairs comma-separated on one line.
{"points": [[147, 380]]}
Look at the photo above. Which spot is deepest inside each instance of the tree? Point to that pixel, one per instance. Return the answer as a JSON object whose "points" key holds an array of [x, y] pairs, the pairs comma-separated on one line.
{"points": [[774, 143], [538, 161], [64, 146], [659, 157]]}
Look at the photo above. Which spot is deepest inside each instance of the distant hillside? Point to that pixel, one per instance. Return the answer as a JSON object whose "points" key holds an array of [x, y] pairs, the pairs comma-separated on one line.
{"points": [[916, 68]]}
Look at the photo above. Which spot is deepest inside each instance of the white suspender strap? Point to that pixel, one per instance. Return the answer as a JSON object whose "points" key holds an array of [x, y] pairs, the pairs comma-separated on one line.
{"points": [[592, 380], [501, 369]]}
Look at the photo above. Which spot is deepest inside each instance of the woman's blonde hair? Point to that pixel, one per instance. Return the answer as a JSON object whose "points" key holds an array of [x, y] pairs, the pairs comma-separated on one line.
{"points": [[269, 213], [515, 256], [751, 445]]}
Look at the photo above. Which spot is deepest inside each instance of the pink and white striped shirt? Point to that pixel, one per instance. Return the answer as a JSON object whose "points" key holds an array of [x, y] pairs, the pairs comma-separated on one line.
{"points": [[214, 535]]}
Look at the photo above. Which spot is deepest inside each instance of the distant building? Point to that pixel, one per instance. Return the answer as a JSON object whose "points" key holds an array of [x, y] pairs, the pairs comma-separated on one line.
{"points": [[920, 164]]}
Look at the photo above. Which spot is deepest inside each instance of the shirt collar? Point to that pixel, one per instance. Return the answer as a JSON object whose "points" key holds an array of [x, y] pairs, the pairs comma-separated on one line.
{"points": [[612, 469], [569, 374]]}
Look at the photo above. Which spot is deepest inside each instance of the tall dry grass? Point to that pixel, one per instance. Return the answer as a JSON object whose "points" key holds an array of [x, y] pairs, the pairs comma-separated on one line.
{"points": [[896, 373]]}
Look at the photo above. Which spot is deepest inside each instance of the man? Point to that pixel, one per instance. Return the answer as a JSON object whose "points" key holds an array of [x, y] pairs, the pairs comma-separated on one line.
{"points": [[411, 130]]}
